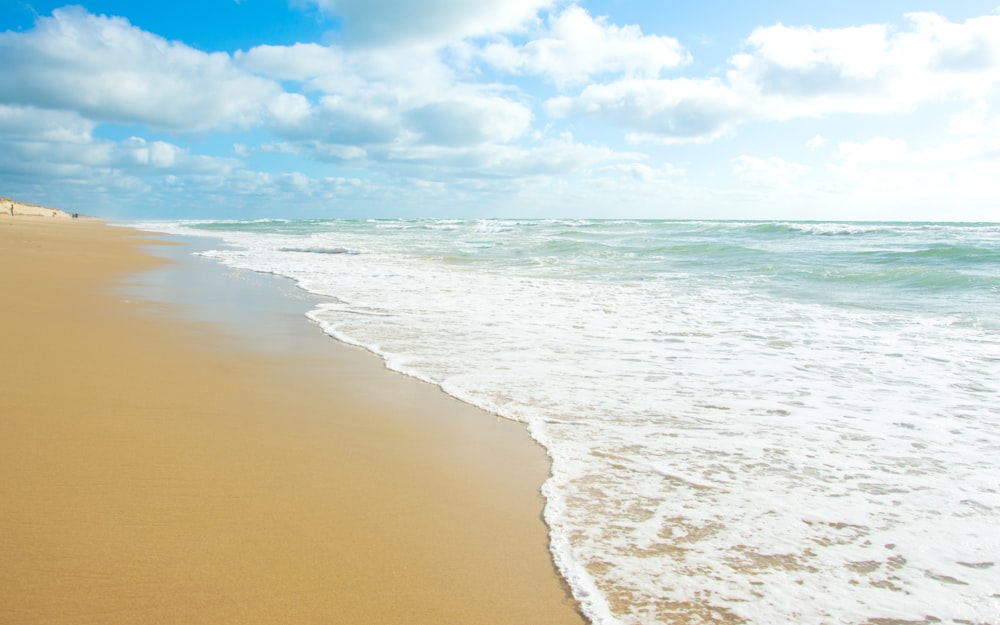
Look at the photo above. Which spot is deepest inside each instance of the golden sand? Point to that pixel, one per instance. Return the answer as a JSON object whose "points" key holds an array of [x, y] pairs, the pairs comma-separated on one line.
{"points": [[10, 207], [154, 471]]}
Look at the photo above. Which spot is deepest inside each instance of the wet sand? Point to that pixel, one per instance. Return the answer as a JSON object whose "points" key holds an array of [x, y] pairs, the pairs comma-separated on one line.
{"points": [[156, 468]]}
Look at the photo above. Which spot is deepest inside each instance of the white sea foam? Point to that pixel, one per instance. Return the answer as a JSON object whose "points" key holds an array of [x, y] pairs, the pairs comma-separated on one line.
{"points": [[727, 445]]}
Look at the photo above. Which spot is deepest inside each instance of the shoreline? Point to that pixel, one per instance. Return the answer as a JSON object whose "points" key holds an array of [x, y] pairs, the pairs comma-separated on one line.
{"points": [[157, 468]]}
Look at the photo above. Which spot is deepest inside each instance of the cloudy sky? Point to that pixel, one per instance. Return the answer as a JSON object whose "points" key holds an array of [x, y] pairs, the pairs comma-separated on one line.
{"points": [[777, 109]]}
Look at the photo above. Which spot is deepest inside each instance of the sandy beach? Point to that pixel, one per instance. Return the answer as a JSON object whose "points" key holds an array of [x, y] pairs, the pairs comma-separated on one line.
{"points": [[12, 208], [154, 469]]}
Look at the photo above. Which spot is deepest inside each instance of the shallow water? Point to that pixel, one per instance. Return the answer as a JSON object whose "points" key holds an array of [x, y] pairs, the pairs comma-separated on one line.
{"points": [[748, 422]]}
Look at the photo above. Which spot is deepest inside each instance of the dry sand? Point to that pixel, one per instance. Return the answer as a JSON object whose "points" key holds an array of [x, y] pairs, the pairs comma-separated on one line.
{"points": [[30, 210], [154, 471]]}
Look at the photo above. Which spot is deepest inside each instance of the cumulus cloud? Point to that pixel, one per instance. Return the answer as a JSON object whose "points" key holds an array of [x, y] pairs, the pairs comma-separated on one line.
{"points": [[338, 129], [28, 122], [674, 110], [576, 46], [300, 62], [327, 152], [816, 143], [959, 172], [289, 109], [107, 70], [804, 62], [970, 47], [141, 157], [979, 144], [558, 156], [336, 120], [975, 124], [469, 121], [869, 69], [387, 97], [405, 93], [432, 22], [793, 72], [645, 174], [354, 101], [129, 164], [152, 153]]}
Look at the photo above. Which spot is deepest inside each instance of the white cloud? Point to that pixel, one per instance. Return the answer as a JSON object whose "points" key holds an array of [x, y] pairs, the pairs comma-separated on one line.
{"points": [[816, 143], [105, 69], [141, 157], [794, 72], [980, 143], [328, 152], [399, 98], [25, 122], [884, 190], [576, 46], [503, 163], [645, 174], [871, 69], [133, 165], [974, 121], [552, 157], [342, 121], [301, 61], [875, 150], [405, 97], [807, 62], [972, 47], [447, 129], [675, 110], [772, 172], [431, 22], [152, 153], [247, 187], [289, 109], [469, 120], [951, 178]]}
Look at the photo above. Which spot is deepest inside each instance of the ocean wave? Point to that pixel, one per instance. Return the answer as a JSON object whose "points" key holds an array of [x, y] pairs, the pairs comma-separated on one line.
{"points": [[318, 250]]}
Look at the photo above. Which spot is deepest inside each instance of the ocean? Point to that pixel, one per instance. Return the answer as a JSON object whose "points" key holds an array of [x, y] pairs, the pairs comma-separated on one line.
{"points": [[749, 422]]}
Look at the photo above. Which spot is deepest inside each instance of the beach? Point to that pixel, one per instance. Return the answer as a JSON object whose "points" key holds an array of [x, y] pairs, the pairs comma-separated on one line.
{"points": [[154, 468], [752, 422]]}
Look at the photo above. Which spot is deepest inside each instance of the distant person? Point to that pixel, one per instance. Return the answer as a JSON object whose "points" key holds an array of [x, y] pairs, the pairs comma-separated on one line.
{"points": [[11, 209]]}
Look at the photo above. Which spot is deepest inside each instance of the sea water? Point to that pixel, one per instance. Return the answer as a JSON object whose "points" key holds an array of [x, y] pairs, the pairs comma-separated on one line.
{"points": [[750, 422]]}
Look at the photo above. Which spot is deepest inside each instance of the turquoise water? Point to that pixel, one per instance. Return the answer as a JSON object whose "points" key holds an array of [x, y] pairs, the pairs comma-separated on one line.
{"points": [[759, 422], [915, 266]]}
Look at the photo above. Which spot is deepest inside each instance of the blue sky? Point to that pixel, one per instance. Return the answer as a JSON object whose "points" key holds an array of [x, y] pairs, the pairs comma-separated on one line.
{"points": [[885, 110]]}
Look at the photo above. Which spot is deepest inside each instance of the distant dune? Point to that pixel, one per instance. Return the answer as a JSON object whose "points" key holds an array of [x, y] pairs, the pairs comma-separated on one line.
{"points": [[33, 210]]}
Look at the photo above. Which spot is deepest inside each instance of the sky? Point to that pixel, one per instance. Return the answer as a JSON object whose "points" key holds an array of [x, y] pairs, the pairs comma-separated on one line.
{"points": [[241, 109]]}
